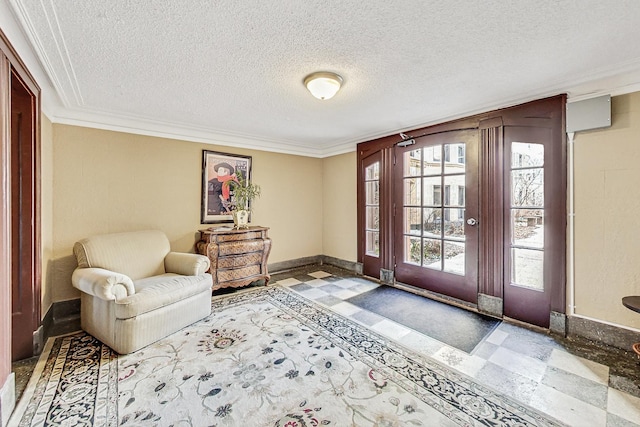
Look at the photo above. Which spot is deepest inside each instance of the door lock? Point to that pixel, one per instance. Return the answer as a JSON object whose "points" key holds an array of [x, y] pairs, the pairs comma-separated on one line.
{"points": [[472, 221]]}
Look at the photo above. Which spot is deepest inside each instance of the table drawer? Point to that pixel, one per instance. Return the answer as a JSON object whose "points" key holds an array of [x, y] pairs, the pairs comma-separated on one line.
{"points": [[240, 260], [240, 247], [250, 235], [237, 273]]}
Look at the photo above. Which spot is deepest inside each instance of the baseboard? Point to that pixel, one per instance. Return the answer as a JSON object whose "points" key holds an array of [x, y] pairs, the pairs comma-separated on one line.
{"points": [[279, 267], [387, 277], [47, 322], [490, 305], [62, 318], [601, 332], [352, 266], [558, 323], [7, 399]]}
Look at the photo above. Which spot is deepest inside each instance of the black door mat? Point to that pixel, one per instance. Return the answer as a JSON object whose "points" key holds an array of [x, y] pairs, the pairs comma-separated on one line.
{"points": [[448, 324]]}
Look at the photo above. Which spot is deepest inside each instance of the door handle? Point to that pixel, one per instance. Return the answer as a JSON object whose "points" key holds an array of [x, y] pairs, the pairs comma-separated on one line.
{"points": [[472, 221]]}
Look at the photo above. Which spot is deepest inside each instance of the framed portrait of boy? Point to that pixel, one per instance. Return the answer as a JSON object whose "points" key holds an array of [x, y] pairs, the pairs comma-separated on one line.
{"points": [[217, 195]]}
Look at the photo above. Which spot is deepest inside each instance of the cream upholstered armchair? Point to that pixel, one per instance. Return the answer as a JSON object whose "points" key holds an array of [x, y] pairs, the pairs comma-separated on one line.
{"points": [[135, 291]]}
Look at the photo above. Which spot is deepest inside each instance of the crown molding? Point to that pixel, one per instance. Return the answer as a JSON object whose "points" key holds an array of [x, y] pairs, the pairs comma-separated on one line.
{"points": [[62, 99], [63, 84], [184, 132], [180, 131], [584, 88]]}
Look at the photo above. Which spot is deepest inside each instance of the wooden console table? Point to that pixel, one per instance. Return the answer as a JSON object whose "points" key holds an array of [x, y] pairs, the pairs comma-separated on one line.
{"points": [[238, 256]]}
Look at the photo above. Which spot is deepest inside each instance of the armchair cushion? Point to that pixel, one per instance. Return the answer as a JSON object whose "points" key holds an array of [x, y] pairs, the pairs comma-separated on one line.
{"points": [[186, 264], [102, 283], [156, 292]]}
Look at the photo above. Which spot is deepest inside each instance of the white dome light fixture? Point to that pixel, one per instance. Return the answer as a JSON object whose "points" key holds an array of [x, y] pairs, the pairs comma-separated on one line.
{"points": [[323, 84]]}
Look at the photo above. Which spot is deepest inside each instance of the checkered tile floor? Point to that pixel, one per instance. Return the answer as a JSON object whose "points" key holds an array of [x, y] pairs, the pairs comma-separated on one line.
{"points": [[533, 367]]}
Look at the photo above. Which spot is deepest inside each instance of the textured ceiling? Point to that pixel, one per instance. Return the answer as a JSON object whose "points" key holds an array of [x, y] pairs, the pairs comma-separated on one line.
{"points": [[231, 72]]}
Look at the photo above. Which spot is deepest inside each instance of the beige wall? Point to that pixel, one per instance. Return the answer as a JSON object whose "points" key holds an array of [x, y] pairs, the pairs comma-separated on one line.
{"points": [[607, 205], [96, 181], [106, 182], [46, 212], [339, 207]]}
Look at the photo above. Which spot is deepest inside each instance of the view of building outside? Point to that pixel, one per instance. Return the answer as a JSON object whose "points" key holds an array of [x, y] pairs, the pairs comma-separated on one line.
{"points": [[434, 207], [527, 214], [434, 210]]}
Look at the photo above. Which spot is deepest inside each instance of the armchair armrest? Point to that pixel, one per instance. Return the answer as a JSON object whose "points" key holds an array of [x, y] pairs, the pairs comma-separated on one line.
{"points": [[101, 283], [186, 264]]}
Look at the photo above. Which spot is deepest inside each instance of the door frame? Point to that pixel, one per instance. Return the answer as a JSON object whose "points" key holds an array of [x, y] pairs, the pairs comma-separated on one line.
{"points": [[5, 221], [547, 112], [540, 117], [25, 241], [381, 267], [12, 65]]}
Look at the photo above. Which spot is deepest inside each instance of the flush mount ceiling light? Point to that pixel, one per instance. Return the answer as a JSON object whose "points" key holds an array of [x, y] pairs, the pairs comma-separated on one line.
{"points": [[323, 84]]}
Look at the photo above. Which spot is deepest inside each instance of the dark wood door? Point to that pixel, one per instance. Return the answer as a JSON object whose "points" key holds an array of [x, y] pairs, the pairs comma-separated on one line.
{"points": [[25, 307], [436, 214]]}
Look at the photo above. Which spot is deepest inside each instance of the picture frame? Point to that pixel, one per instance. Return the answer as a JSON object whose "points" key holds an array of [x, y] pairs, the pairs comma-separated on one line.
{"points": [[217, 168]]}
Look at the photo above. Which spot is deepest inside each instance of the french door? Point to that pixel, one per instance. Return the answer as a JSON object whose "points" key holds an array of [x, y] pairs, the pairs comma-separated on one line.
{"points": [[436, 211], [473, 209], [533, 200]]}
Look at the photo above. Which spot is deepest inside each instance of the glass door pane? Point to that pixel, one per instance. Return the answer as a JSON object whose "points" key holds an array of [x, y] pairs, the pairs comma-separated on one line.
{"points": [[434, 206], [372, 209], [436, 182], [527, 215]]}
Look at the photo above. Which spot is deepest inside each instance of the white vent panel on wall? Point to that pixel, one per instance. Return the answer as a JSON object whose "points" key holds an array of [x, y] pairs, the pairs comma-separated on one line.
{"points": [[589, 114]]}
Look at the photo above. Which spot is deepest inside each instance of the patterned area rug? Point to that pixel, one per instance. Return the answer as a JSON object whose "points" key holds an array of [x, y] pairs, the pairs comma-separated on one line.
{"points": [[264, 357]]}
